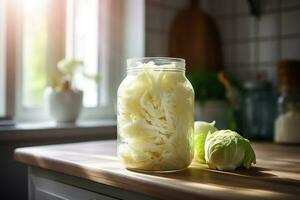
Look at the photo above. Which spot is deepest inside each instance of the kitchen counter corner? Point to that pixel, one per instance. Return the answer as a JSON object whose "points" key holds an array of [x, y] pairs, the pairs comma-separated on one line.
{"points": [[275, 176]]}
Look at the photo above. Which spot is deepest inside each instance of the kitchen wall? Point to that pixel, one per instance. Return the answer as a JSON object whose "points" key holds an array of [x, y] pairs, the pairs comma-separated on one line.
{"points": [[159, 16], [251, 46]]}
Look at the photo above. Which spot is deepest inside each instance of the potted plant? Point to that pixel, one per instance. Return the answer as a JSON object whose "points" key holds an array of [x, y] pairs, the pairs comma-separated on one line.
{"points": [[63, 99], [211, 104]]}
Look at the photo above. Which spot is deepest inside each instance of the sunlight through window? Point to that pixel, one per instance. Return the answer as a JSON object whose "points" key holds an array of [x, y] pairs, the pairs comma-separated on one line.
{"points": [[82, 43], [34, 58]]}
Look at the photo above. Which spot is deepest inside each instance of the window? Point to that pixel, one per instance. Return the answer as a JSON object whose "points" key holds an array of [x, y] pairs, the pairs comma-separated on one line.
{"points": [[34, 53], [82, 43], [2, 58], [41, 41], [38, 50], [42, 32]]}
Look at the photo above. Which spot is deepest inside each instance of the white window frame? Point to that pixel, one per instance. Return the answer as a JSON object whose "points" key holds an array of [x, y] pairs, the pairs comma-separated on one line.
{"points": [[119, 37]]}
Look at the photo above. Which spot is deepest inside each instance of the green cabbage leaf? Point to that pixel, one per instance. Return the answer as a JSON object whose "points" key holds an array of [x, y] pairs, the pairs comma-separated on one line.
{"points": [[201, 130], [227, 150]]}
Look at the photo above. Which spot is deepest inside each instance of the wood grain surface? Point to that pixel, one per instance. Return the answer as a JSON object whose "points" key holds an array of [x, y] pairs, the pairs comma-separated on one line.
{"points": [[194, 36], [275, 176]]}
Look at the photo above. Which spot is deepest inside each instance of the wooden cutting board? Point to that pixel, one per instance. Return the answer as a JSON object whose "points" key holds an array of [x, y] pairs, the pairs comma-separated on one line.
{"points": [[194, 37]]}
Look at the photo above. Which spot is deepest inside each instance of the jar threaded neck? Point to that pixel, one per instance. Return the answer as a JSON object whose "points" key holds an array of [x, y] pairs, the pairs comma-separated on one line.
{"points": [[156, 63]]}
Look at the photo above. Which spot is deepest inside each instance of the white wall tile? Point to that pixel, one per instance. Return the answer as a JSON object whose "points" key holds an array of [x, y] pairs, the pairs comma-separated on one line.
{"points": [[206, 6], [148, 2], [238, 32], [268, 5], [222, 7], [289, 3], [268, 51], [164, 46], [291, 49], [242, 6], [268, 25], [156, 2], [167, 19], [290, 22], [227, 51], [245, 73], [225, 28], [245, 53], [152, 43], [156, 44], [153, 17], [230, 69], [179, 4], [245, 27], [268, 72]]}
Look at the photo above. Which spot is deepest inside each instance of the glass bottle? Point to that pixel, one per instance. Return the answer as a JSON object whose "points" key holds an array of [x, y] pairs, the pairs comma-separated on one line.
{"points": [[287, 124], [259, 110]]}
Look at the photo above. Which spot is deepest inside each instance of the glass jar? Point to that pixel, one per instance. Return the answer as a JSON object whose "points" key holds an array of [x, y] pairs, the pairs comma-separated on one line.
{"points": [[287, 123], [259, 110], [155, 115]]}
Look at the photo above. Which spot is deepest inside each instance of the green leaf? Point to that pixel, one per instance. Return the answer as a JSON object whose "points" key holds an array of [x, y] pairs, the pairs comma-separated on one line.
{"points": [[201, 131], [227, 150], [206, 85], [96, 77], [69, 66]]}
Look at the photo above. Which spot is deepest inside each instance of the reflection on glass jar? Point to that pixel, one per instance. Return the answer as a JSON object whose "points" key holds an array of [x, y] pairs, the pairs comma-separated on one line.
{"points": [[155, 115]]}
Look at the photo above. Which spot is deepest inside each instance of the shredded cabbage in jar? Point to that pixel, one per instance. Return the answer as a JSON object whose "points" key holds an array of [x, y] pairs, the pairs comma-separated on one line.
{"points": [[155, 119]]}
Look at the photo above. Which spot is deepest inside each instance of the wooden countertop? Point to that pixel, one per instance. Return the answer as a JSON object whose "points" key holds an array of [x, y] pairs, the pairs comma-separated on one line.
{"points": [[275, 176]]}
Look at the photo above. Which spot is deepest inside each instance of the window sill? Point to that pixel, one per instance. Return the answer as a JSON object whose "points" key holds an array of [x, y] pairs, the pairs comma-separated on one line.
{"points": [[46, 131]]}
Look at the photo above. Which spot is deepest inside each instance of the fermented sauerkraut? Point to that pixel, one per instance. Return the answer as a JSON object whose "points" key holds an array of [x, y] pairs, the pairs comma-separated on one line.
{"points": [[155, 118]]}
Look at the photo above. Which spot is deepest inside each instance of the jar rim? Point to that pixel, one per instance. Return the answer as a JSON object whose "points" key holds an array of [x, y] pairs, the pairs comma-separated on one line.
{"points": [[161, 63]]}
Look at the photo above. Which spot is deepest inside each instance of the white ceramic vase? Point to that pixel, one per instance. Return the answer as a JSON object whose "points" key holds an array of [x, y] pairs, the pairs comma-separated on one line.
{"points": [[63, 106]]}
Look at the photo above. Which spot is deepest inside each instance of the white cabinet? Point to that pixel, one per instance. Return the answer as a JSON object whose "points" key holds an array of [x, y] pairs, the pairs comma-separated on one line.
{"points": [[49, 185], [46, 189]]}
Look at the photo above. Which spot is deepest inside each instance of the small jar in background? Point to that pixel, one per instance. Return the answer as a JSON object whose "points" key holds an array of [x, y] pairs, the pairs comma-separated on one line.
{"points": [[259, 110], [287, 123]]}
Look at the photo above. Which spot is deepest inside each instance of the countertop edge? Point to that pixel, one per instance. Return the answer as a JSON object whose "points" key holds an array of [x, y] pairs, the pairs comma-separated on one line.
{"points": [[108, 178], [110, 172]]}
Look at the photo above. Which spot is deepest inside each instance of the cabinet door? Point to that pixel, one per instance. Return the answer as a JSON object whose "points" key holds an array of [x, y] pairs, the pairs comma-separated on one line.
{"points": [[43, 194], [45, 189]]}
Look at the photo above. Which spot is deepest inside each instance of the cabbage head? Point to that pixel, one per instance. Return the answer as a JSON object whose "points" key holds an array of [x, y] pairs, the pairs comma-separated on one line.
{"points": [[227, 150], [201, 130]]}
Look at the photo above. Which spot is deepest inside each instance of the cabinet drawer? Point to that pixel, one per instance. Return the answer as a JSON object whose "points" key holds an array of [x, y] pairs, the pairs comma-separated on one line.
{"points": [[45, 189]]}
